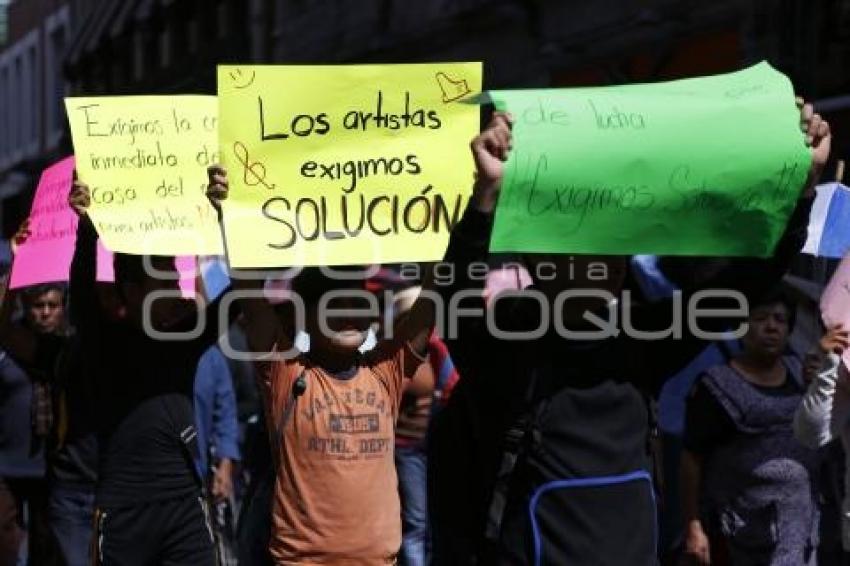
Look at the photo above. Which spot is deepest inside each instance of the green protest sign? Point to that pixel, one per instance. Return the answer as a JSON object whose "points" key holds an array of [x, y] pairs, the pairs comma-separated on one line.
{"points": [[705, 166]]}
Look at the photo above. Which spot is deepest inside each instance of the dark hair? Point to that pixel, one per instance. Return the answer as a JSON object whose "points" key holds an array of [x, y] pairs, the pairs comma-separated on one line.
{"points": [[33, 292], [778, 296], [131, 268], [687, 272], [312, 283]]}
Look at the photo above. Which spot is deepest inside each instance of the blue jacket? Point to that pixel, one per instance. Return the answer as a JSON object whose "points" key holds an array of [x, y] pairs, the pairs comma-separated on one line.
{"points": [[17, 459], [215, 409]]}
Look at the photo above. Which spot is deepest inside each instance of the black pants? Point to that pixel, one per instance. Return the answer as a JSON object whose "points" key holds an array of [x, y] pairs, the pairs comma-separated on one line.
{"points": [[173, 532], [15, 494]]}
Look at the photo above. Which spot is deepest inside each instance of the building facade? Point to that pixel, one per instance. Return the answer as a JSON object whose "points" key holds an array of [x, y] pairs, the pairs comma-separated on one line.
{"points": [[32, 86], [173, 46], [158, 46], [4, 21]]}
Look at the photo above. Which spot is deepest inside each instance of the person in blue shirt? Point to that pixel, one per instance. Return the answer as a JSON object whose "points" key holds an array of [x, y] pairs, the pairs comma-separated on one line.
{"points": [[215, 419], [218, 444]]}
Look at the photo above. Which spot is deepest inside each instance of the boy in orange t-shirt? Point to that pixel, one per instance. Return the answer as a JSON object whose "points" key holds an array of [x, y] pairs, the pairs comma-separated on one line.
{"points": [[331, 415]]}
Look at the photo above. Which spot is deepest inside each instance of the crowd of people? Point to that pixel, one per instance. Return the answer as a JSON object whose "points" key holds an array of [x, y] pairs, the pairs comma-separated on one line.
{"points": [[355, 438]]}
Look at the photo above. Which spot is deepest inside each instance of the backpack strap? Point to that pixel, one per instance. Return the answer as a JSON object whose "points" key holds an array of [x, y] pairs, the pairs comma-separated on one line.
{"points": [[514, 445], [654, 447], [299, 386], [188, 439]]}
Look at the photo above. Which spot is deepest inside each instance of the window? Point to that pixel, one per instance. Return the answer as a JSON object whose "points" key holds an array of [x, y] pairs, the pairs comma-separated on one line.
{"points": [[138, 55], [34, 96], [17, 103], [165, 45], [52, 81], [57, 93], [222, 16], [4, 21], [193, 33], [5, 112]]}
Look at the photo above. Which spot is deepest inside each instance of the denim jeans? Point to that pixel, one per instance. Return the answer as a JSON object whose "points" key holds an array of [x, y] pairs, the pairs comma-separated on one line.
{"points": [[411, 465], [70, 512]]}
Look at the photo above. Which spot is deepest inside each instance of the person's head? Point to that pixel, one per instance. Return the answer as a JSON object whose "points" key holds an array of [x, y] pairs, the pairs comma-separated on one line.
{"points": [[555, 273], [345, 332], [134, 282], [110, 301], [510, 276], [403, 301], [771, 321], [44, 307], [393, 295]]}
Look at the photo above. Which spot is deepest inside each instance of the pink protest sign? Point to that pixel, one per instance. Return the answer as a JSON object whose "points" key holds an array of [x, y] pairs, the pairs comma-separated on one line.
{"points": [[835, 300], [187, 266], [46, 255], [105, 266]]}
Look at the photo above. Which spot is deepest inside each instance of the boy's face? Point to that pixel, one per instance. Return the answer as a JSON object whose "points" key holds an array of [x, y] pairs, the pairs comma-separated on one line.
{"points": [[344, 332], [769, 329], [45, 312]]}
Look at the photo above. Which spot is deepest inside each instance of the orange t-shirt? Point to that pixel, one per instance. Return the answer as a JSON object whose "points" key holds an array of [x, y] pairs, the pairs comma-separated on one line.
{"points": [[336, 495]]}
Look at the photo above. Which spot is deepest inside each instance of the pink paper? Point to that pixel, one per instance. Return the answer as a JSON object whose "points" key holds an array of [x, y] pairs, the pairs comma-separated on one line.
{"points": [[187, 266], [511, 277], [835, 300], [105, 266], [46, 255]]}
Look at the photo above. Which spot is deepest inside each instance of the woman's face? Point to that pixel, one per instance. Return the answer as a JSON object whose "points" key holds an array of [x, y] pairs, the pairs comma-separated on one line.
{"points": [[768, 332]]}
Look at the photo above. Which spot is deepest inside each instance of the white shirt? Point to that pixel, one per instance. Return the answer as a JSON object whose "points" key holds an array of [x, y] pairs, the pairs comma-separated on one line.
{"points": [[823, 415]]}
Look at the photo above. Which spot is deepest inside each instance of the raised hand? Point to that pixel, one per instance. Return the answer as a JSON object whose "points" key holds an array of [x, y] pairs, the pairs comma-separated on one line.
{"points": [[490, 149], [835, 340], [817, 136], [80, 197], [217, 188], [21, 236]]}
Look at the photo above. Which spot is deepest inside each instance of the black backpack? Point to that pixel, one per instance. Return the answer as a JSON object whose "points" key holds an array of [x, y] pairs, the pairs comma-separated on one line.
{"points": [[474, 472]]}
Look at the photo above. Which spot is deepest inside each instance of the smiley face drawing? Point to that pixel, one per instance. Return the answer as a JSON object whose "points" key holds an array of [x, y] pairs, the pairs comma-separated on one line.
{"points": [[242, 80]]}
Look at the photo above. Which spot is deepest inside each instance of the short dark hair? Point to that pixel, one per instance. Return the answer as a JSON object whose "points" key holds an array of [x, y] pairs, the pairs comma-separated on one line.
{"points": [[33, 292], [778, 296], [130, 268], [312, 283]]}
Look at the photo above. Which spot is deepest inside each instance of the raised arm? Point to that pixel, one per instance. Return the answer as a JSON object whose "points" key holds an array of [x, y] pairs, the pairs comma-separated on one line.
{"points": [[16, 339], [416, 326], [470, 238], [82, 292], [469, 244], [750, 277], [263, 329], [825, 408]]}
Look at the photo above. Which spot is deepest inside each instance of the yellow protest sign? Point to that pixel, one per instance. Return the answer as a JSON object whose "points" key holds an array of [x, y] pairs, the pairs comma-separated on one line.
{"points": [[354, 164], [145, 159]]}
